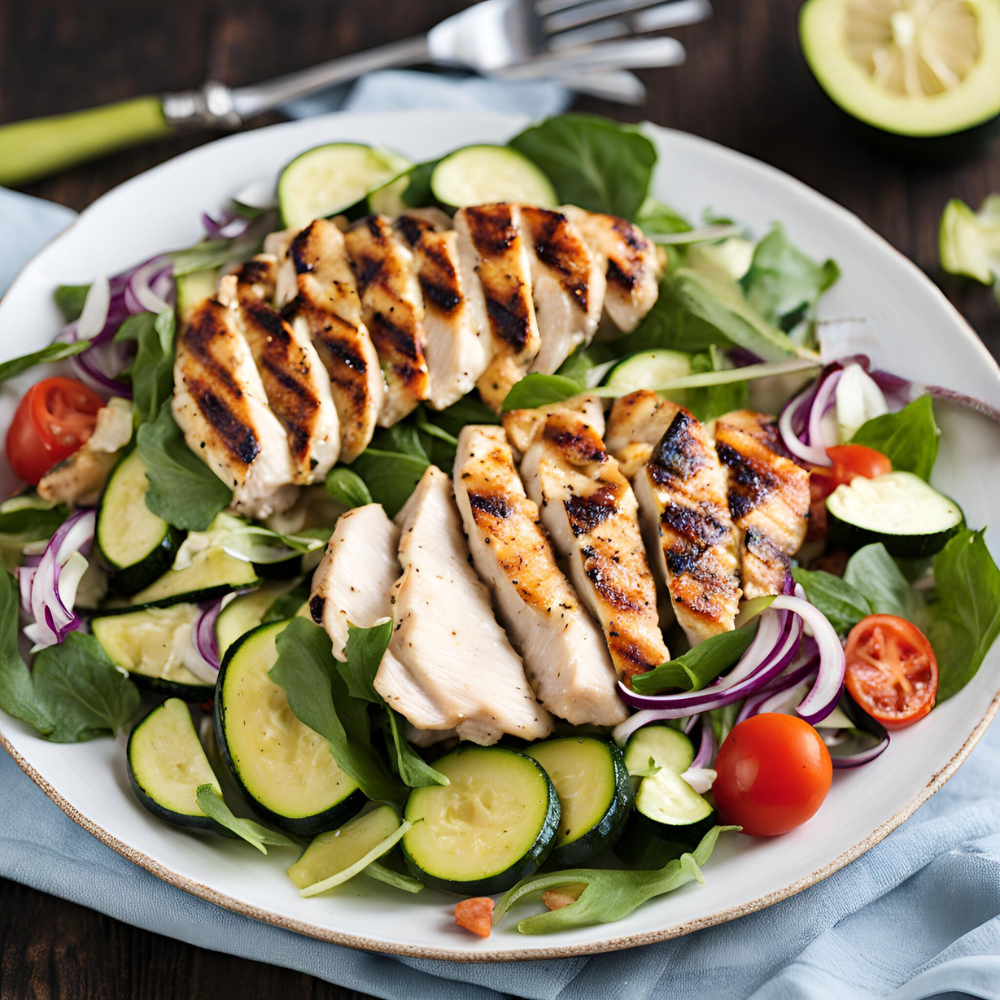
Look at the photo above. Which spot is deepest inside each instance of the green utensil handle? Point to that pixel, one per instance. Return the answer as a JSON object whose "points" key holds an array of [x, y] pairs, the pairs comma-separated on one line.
{"points": [[38, 148]]}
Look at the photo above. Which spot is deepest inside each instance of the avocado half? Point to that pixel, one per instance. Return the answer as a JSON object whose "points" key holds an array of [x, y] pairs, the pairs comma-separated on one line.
{"points": [[921, 75]]}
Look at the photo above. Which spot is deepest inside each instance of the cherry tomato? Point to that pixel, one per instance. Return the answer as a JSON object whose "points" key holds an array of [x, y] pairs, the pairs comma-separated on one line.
{"points": [[892, 672], [55, 417], [773, 774], [849, 462]]}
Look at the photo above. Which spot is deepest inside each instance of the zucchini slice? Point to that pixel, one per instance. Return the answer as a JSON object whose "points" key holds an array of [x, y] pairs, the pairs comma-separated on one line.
{"points": [[167, 763], [284, 768], [137, 546], [479, 175], [898, 509], [337, 851], [211, 574], [649, 370], [664, 745], [595, 796], [491, 826], [329, 179], [154, 646], [272, 602]]}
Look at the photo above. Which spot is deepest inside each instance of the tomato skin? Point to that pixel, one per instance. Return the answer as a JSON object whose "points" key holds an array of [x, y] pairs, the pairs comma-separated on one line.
{"points": [[892, 672], [774, 771], [53, 420]]}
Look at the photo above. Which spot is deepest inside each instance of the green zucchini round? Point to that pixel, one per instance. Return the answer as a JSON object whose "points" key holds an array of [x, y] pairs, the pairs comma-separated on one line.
{"points": [[479, 175], [494, 824]]}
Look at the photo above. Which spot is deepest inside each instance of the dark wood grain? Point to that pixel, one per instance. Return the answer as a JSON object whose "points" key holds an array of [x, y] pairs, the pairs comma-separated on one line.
{"points": [[745, 85]]}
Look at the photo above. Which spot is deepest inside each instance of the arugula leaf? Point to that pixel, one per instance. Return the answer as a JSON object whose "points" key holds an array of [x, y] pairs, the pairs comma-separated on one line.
{"points": [[152, 371], [70, 300], [183, 490], [783, 284], [875, 574], [536, 390], [17, 692], [699, 665], [964, 621], [382, 874], [211, 804], [319, 698], [83, 693], [46, 355], [608, 894], [594, 162], [347, 487], [843, 604], [909, 438]]}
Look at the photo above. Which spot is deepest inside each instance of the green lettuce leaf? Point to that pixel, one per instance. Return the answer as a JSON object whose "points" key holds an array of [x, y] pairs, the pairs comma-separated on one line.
{"points": [[46, 355], [843, 604], [874, 573], [909, 438], [347, 487], [152, 371]]}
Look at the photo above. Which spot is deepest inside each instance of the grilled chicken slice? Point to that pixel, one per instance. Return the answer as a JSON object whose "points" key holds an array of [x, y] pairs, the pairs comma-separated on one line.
{"points": [[565, 658], [567, 284], [629, 260], [316, 283], [297, 386], [591, 515], [457, 349], [220, 405], [493, 247], [768, 498], [393, 311], [449, 664], [683, 507], [354, 581]]}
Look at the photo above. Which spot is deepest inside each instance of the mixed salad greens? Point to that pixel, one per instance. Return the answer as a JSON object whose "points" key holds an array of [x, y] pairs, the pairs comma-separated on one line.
{"points": [[135, 584]]}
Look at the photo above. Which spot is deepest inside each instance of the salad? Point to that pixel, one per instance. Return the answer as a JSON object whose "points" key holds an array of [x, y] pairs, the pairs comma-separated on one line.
{"points": [[442, 536]]}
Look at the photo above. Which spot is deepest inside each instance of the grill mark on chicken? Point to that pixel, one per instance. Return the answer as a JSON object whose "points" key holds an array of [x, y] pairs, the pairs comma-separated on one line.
{"points": [[586, 513], [509, 320], [493, 229], [559, 250], [490, 505], [198, 339], [749, 486], [316, 605], [237, 436], [678, 455], [440, 297]]}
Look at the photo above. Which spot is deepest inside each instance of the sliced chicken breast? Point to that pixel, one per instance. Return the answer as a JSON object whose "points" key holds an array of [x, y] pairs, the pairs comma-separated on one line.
{"points": [[449, 664], [768, 498], [567, 285], [492, 246], [629, 260], [684, 510], [457, 349], [353, 583], [322, 295], [296, 383], [393, 311], [220, 405], [565, 658], [591, 515]]}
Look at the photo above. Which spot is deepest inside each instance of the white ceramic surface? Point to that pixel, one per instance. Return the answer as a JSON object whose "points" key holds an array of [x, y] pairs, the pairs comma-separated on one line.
{"points": [[905, 324]]}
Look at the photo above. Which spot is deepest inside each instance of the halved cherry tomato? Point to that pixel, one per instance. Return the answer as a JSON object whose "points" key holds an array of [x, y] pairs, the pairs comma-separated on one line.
{"points": [[54, 419], [849, 462], [892, 672], [773, 774]]}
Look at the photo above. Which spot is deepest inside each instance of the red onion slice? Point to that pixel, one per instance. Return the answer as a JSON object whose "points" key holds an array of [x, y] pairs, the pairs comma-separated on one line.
{"points": [[140, 289], [203, 638], [96, 307], [708, 746]]}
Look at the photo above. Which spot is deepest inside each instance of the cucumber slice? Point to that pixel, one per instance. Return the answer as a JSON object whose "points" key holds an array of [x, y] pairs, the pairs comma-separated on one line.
{"points": [[329, 179], [337, 851], [136, 545], [649, 370], [388, 199], [284, 768], [479, 175], [194, 288], [595, 796], [271, 603], [167, 763], [969, 242], [154, 645], [916, 68], [666, 746], [897, 509], [490, 827], [211, 574]]}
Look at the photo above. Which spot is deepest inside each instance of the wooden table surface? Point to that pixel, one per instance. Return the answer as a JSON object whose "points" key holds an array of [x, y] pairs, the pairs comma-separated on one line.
{"points": [[745, 85]]}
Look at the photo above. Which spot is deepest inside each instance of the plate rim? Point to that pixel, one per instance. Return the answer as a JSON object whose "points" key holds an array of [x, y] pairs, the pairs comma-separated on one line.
{"points": [[329, 935]]}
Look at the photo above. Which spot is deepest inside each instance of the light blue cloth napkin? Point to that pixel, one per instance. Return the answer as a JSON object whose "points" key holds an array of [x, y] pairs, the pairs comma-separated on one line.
{"points": [[915, 917]]}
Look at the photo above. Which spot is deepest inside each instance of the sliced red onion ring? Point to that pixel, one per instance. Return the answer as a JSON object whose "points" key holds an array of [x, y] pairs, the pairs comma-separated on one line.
{"points": [[96, 307], [848, 747], [800, 421], [774, 695], [204, 641], [708, 746], [228, 227], [140, 286]]}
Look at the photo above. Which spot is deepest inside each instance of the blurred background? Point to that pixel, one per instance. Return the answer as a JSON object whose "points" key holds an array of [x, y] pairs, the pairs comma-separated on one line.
{"points": [[745, 84]]}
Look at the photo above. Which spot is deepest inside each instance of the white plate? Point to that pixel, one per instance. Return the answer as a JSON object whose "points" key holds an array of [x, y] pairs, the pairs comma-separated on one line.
{"points": [[907, 326]]}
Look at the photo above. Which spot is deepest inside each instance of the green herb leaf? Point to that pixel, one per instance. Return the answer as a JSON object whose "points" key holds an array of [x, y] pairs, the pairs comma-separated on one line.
{"points": [[964, 621], [183, 490], [843, 604], [70, 300], [699, 665], [712, 401], [648, 771], [46, 355], [347, 487], [152, 371], [414, 771], [654, 217], [468, 410], [909, 438], [875, 574], [17, 692], [287, 605], [609, 894], [390, 476], [593, 162], [211, 804], [23, 520], [382, 874], [319, 698], [536, 390]]}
